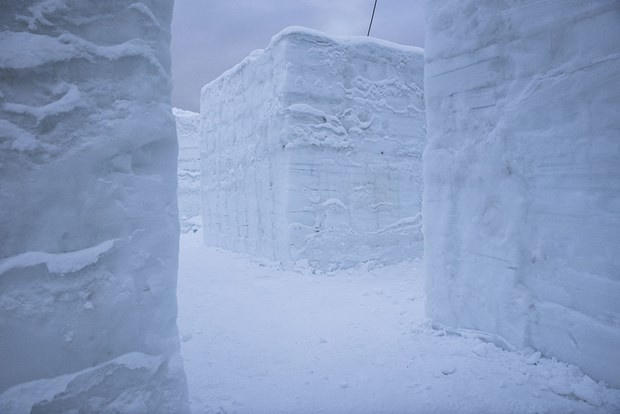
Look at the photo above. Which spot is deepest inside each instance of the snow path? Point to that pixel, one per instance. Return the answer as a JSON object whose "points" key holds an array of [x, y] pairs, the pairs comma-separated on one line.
{"points": [[256, 339]]}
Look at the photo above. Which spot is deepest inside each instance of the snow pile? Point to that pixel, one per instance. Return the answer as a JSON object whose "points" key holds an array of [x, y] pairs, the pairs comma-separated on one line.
{"points": [[311, 151], [522, 172], [88, 210], [188, 191]]}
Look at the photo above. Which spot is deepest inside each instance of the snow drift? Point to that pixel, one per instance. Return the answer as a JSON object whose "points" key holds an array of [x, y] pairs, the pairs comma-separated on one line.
{"points": [[188, 191], [88, 209], [311, 151], [522, 173]]}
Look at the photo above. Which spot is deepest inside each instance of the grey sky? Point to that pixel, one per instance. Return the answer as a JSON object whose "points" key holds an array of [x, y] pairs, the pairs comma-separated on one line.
{"points": [[210, 36]]}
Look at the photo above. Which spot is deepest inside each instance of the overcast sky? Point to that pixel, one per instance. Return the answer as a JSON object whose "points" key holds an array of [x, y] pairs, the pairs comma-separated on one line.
{"points": [[211, 36]]}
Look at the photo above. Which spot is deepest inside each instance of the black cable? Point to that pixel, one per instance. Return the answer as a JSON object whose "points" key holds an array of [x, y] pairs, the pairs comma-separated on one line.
{"points": [[371, 18]]}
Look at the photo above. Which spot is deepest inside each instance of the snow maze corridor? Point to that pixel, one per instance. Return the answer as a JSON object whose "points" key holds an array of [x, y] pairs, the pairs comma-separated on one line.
{"points": [[314, 306], [259, 339], [349, 225]]}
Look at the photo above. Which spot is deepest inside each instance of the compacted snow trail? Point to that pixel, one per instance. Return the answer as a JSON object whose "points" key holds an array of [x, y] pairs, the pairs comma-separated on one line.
{"points": [[257, 339]]}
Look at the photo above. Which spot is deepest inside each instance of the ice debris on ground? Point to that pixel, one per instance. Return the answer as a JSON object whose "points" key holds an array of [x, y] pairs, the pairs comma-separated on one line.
{"points": [[88, 209], [311, 150], [522, 175]]}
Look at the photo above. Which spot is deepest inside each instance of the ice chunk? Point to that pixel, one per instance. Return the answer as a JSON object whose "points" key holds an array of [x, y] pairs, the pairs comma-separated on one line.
{"points": [[311, 150], [188, 130], [522, 174], [127, 384], [88, 210]]}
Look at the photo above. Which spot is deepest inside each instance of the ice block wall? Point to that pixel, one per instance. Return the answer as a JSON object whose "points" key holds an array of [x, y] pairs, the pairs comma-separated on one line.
{"points": [[188, 191], [311, 151], [522, 174], [88, 210], [241, 157]]}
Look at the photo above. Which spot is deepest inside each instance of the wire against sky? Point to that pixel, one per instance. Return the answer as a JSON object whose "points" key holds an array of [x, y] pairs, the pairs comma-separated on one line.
{"points": [[371, 18]]}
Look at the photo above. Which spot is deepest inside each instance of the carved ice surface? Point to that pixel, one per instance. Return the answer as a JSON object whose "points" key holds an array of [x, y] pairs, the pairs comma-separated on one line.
{"points": [[88, 210], [311, 151], [188, 133], [522, 174]]}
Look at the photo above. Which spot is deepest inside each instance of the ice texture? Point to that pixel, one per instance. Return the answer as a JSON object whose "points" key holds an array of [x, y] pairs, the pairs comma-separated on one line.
{"points": [[188, 191], [311, 151], [522, 174], [88, 210]]}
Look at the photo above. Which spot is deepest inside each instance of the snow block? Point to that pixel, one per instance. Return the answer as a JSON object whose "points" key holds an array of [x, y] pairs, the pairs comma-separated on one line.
{"points": [[88, 210], [522, 174], [188, 192], [311, 151]]}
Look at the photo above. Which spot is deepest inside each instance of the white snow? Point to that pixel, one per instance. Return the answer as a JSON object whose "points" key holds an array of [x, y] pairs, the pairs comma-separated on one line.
{"points": [[60, 262], [306, 165], [188, 191], [311, 150], [88, 210], [258, 339], [522, 174]]}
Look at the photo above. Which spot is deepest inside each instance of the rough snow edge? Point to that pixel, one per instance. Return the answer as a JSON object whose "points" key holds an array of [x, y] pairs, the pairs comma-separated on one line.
{"points": [[494, 339], [22, 398], [184, 112], [25, 50], [317, 37], [58, 262]]}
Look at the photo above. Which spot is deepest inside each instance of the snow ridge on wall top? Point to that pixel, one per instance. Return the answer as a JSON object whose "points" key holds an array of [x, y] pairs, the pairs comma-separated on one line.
{"points": [[300, 32], [182, 113]]}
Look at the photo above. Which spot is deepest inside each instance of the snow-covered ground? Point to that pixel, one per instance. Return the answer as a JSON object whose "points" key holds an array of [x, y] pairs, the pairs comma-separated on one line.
{"points": [[258, 339]]}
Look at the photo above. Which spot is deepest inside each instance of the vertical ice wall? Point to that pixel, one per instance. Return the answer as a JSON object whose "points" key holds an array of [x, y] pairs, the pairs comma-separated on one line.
{"points": [[240, 162], [88, 211], [311, 150], [522, 173], [188, 191]]}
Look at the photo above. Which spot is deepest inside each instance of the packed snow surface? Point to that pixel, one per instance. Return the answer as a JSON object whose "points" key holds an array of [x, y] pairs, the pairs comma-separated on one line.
{"points": [[88, 211], [522, 174], [188, 191], [259, 339], [311, 151]]}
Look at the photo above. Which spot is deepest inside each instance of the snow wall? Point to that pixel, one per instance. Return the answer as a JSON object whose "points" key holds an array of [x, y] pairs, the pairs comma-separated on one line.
{"points": [[522, 173], [311, 151], [88, 210], [188, 191]]}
